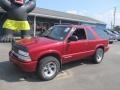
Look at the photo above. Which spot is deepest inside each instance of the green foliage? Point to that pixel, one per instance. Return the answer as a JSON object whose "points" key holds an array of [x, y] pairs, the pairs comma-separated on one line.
{"points": [[117, 28]]}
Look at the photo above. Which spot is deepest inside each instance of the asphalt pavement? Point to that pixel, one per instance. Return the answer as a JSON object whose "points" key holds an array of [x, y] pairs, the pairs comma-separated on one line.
{"points": [[75, 76]]}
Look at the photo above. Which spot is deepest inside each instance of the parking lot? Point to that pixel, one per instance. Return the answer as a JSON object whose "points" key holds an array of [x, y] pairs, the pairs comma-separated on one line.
{"points": [[75, 76]]}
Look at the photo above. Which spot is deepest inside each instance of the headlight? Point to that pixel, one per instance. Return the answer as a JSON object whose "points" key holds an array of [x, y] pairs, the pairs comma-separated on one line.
{"points": [[23, 53]]}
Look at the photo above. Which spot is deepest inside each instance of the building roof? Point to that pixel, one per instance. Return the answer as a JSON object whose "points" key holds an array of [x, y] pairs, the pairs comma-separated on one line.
{"points": [[61, 15]]}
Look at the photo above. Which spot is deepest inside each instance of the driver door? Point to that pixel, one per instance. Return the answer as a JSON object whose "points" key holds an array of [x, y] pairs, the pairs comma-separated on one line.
{"points": [[75, 50]]}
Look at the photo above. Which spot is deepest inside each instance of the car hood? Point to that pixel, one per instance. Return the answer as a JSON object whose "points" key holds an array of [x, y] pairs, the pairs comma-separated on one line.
{"points": [[41, 41]]}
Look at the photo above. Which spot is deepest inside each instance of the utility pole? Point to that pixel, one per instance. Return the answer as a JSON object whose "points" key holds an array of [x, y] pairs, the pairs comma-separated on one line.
{"points": [[114, 15], [111, 25], [34, 26]]}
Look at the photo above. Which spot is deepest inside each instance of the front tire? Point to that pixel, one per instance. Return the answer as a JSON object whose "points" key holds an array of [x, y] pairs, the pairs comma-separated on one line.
{"points": [[98, 56], [48, 68]]}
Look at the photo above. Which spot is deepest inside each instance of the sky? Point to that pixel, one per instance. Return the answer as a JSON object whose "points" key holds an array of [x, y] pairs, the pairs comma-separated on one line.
{"points": [[98, 9]]}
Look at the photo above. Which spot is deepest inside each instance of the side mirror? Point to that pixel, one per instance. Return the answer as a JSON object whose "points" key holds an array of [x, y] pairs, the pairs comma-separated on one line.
{"points": [[73, 38]]}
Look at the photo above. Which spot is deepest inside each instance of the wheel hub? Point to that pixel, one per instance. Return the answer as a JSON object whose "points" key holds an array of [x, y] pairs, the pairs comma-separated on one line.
{"points": [[99, 55], [49, 69]]}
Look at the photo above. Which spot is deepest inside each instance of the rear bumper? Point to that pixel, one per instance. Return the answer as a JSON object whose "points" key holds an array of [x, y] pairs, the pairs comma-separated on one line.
{"points": [[24, 66]]}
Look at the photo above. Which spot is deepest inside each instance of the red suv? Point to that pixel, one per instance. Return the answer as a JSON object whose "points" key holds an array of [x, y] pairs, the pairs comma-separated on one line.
{"points": [[58, 45]]}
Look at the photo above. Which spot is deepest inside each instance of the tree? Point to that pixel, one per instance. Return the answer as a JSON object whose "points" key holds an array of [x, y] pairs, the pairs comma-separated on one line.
{"points": [[117, 28]]}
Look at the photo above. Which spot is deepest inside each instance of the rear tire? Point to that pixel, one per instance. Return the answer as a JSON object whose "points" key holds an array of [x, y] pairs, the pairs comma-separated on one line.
{"points": [[48, 68], [98, 56], [110, 42]]}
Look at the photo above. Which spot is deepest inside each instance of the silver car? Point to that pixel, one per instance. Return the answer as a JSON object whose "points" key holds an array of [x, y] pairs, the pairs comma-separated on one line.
{"points": [[111, 36], [117, 35]]}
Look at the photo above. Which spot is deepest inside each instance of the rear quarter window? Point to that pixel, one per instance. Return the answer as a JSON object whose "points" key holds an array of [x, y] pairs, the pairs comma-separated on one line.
{"points": [[101, 33], [90, 35]]}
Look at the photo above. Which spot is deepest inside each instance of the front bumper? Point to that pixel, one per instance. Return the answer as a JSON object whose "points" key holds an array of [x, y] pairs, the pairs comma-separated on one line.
{"points": [[24, 66]]}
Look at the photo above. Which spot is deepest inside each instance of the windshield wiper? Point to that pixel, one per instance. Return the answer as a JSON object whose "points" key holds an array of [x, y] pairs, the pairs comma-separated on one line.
{"points": [[46, 36]]}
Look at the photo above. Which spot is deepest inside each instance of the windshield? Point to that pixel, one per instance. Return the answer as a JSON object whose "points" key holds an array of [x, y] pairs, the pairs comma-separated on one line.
{"points": [[57, 32]]}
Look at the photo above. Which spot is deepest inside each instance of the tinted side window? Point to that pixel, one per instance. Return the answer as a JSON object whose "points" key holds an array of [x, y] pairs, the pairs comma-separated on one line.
{"points": [[80, 33], [90, 35], [101, 33]]}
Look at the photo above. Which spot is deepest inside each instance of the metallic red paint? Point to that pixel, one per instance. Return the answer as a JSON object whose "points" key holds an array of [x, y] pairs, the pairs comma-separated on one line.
{"points": [[25, 66], [66, 51]]}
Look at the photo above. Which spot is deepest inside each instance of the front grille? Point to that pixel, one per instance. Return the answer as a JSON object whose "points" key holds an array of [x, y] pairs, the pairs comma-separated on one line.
{"points": [[14, 54], [16, 47]]}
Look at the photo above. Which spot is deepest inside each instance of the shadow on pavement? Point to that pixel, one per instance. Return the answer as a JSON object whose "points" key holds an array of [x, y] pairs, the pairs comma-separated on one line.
{"points": [[77, 63], [10, 73]]}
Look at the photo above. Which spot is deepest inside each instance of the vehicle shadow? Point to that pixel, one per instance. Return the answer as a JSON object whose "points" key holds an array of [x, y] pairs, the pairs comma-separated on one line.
{"points": [[76, 63], [10, 73]]}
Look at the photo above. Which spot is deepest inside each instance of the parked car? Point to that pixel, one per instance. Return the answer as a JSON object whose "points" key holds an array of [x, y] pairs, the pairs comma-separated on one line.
{"points": [[59, 45], [117, 35], [111, 36]]}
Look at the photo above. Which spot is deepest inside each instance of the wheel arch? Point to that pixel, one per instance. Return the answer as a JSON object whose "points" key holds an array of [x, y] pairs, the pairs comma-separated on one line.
{"points": [[101, 46], [56, 55]]}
